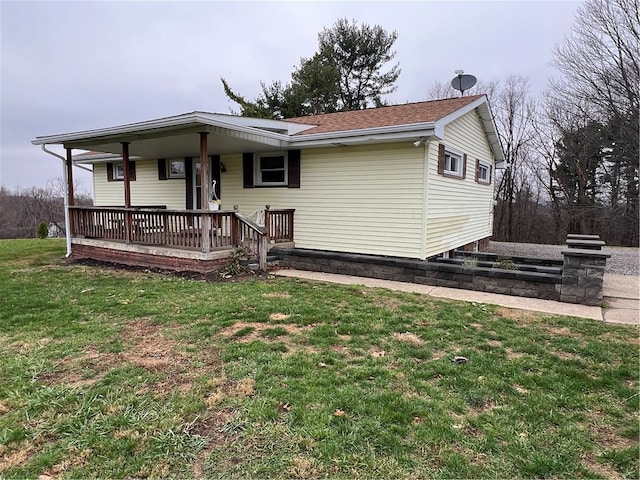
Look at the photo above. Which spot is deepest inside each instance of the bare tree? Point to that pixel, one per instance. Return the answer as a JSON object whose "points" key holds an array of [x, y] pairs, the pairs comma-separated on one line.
{"points": [[597, 99], [23, 209]]}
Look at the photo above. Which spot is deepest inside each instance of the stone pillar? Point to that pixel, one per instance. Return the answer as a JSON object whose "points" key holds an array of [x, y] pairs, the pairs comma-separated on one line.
{"points": [[583, 276]]}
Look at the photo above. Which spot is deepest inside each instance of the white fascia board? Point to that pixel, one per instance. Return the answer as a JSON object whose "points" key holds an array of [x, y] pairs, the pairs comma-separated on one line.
{"points": [[166, 125], [486, 117], [371, 135]]}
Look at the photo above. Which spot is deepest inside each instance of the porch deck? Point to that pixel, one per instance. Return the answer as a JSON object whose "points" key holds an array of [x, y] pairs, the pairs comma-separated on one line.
{"points": [[180, 238]]}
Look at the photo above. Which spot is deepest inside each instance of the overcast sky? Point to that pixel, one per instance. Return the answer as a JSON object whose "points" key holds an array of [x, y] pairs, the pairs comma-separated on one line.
{"points": [[71, 66]]}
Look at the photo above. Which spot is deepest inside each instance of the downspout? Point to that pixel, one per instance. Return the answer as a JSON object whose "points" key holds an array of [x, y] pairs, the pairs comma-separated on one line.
{"points": [[67, 223]]}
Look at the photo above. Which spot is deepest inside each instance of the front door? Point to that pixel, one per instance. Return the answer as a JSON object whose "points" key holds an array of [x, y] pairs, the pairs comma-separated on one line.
{"points": [[214, 174]]}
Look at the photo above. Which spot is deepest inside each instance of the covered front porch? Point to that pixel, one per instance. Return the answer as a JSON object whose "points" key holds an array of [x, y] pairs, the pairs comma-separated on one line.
{"points": [[199, 240], [197, 237]]}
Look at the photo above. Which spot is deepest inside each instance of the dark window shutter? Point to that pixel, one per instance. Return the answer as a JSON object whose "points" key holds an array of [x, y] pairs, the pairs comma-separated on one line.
{"points": [[188, 179], [477, 170], [132, 171], [294, 168], [162, 169], [490, 170], [441, 159], [247, 170], [464, 166], [109, 172]]}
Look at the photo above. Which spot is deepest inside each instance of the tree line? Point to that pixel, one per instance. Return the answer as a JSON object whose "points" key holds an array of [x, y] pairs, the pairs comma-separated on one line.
{"points": [[23, 210]]}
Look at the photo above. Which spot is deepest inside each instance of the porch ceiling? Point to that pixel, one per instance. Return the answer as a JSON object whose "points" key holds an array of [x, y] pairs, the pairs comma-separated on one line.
{"points": [[182, 143]]}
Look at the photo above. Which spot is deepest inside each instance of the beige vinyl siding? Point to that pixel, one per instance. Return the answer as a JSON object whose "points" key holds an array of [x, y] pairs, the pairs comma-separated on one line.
{"points": [[364, 199], [146, 190], [459, 211]]}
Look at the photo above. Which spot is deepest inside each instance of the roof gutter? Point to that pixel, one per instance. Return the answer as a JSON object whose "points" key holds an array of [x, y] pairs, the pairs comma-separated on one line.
{"points": [[67, 223]]}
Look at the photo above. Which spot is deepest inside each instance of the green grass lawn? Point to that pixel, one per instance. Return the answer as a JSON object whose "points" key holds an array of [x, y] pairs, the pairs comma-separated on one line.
{"points": [[112, 373]]}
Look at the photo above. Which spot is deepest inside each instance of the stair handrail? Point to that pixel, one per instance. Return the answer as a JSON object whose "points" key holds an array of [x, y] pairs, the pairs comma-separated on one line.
{"points": [[262, 239]]}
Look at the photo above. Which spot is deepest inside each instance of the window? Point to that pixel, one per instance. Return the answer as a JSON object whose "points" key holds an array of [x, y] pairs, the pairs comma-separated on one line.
{"points": [[451, 163], [271, 169], [483, 172], [118, 171], [115, 172], [175, 169]]}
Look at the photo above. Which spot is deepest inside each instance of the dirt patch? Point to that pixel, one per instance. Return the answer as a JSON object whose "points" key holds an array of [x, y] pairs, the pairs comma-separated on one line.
{"points": [[600, 469], [389, 303], [494, 343], [377, 352], [303, 467], [520, 316], [16, 455], [409, 337], [74, 458], [511, 355], [487, 407], [567, 355], [254, 332], [615, 337], [213, 430], [519, 388], [282, 295], [438, 355], [278, 317], [214, 277], [150, 347]]}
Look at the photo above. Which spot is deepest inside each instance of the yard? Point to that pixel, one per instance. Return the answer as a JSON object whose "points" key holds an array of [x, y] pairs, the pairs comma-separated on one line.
{"points": [[115, 373]]}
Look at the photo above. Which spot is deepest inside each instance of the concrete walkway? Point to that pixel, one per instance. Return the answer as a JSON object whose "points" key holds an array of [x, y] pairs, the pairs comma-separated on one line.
{"points": [[622, 295]]}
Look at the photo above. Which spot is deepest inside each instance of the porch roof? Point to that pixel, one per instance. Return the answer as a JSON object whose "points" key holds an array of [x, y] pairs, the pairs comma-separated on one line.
{"points": [[177, 136]]}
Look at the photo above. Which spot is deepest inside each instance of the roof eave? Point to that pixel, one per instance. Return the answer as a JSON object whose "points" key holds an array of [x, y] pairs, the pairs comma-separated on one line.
{"points": [[166, 126], [392, 133]]}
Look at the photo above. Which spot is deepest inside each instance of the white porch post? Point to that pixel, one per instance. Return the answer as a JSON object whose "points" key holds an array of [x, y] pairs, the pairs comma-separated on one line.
{"points": [[204, 182]]}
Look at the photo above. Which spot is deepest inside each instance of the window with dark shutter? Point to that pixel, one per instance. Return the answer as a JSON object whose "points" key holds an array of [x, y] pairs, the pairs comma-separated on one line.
{"points": [[483, 172], [247, 170], [162, 169], [441, 150], [294, 169], [115, 172], [451, 163], [188, 178]]}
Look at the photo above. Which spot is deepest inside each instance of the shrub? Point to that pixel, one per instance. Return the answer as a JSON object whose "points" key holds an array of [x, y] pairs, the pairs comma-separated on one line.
{"points": [[43, 230], [505, 264]]}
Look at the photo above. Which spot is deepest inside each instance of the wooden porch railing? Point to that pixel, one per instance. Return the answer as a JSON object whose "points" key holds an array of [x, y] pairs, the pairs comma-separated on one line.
{"points": [[183, 228]]}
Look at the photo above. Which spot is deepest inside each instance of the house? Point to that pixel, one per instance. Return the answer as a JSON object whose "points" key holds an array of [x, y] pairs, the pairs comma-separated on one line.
{"points": [[410, 181]]}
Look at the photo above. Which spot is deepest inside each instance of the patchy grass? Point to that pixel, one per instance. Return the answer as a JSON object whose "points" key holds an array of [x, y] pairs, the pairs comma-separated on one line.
{"points": [[107, 373]]}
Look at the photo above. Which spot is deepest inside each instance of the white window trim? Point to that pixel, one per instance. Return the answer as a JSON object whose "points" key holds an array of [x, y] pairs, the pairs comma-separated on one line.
{"points": [[256, 169], [117, 167], [454, 153], [175, 175], [486, 165]]}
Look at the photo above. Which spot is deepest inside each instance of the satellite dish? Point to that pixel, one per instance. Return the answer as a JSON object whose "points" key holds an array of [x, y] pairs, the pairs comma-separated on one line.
{"points": [[463, 82]]}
